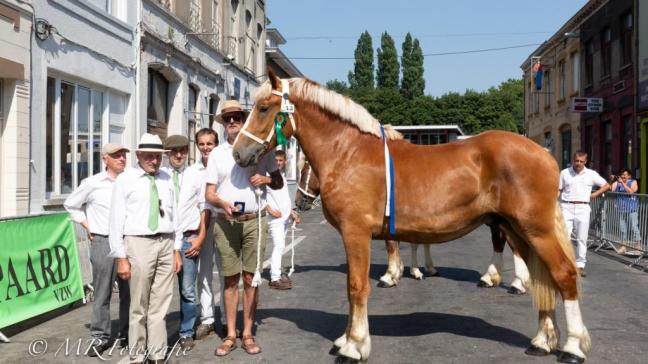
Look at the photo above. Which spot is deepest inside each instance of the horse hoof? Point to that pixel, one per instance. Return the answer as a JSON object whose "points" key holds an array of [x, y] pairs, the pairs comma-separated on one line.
{"points": [[383, 284], [536, 351], [346, 360], [482, 284], [514, 290], [334, 350], [570, 358]]}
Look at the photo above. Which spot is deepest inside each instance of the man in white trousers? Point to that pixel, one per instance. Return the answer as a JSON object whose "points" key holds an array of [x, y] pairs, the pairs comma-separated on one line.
{"points": [[576, 184], [281, 213]]}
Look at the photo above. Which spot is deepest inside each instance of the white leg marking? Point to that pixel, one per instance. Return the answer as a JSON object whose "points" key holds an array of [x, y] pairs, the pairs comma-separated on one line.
{"points": [[416, 273], [548, 335], [361, 348], [340, 341], [492, 276], [578, 340], [521, 270]]}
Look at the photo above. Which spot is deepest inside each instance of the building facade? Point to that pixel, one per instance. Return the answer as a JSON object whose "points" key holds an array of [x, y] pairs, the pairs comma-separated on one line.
{"points": [[15, 64], [607, 38], [83, 79], [549, 119], [195, 54]]}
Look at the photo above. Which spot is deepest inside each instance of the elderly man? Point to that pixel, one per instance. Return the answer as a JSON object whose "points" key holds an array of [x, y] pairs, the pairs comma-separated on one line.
{"points": [[576, 184], [231, 190], [193, 221], [94, 194], [142, 227]]}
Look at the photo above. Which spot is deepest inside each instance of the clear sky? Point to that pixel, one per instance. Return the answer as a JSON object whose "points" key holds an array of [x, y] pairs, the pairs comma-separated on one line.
{"points": [[330, 28]]}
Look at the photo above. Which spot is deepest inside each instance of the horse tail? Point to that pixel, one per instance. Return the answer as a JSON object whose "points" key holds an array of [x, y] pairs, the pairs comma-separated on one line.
{"points": [[543, 285]]}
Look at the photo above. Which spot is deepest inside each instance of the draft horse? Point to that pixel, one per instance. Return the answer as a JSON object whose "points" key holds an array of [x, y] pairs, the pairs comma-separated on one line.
{"points": [[308, 188], [505, 177]]}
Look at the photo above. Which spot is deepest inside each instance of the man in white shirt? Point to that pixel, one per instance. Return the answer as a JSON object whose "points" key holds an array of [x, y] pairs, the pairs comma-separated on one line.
{"points": [[142, 234], [193, 220], [576, 184], [94, 193], [231, 190], [206, 141]]}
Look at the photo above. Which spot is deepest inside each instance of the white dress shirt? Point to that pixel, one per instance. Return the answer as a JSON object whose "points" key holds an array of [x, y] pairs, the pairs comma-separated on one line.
{"points": [[279, 200], [233, 181], [191, 200], [577, 187], [95, 193], [130, 208]]}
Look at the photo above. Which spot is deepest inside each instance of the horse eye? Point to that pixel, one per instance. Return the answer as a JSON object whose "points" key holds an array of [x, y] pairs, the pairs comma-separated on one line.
{"points": [[264, 108]]}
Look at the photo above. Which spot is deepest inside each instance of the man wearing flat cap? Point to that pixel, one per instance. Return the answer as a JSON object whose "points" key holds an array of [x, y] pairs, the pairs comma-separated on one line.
{"points": [[89, 205], [142, 236], [193, 221]]}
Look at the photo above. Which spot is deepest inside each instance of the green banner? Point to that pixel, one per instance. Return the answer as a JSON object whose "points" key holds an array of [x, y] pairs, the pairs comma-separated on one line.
{"points": [[39, 267]]}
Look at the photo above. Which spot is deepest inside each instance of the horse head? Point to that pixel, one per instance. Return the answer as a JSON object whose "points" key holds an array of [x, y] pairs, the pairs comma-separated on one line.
{"points": [[266, 121]]}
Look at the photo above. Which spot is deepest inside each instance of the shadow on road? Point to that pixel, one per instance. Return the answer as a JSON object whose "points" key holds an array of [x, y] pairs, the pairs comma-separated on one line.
{"points": [[331, 325]]}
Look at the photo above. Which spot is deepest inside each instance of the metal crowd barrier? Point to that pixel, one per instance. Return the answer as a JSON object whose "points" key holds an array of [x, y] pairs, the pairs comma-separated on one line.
{"points": [[619, 221]]}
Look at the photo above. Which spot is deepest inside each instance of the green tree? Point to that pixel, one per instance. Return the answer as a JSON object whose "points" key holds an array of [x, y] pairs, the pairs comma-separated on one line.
{"points": [[406, 62], [388, 68], [363, 69], [338, 86], [418, 86]]}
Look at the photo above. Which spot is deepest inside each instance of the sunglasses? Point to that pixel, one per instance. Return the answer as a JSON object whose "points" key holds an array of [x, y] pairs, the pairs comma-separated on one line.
{"points": [[228, 119]]}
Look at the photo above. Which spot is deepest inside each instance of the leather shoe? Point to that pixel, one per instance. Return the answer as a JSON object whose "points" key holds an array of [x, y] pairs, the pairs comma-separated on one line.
{"points": [[96, 349]]}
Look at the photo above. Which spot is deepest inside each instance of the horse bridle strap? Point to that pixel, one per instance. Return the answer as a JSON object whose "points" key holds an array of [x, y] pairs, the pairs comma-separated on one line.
{"points": [[286, 107], [304, 190]]}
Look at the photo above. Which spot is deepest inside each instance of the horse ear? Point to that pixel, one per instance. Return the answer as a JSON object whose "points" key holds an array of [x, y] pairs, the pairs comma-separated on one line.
{"points": [[274, 80]]}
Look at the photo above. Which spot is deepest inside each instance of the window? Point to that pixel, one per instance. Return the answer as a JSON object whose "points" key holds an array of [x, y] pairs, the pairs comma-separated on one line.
{"points": [[213, 106], [589, 62], [566, 139], [606, 52], [157, 110], [589, 143], [536, 100], [192, 118], [626, 141], [561, 80], [575, 69], [74, 122], [606, 156], [547, 88], [548, 141], [626, 39]]}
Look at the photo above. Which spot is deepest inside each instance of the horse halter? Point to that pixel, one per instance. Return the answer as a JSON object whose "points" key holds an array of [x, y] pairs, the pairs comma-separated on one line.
{"points": [[286, 108], [304, 190]]}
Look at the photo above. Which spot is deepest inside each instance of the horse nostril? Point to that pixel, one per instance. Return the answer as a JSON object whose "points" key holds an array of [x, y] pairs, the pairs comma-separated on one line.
{"points": [[237, 156]]}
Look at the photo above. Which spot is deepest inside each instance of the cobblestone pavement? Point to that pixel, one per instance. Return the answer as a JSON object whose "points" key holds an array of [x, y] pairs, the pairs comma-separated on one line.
{"points": [[444, 319]]}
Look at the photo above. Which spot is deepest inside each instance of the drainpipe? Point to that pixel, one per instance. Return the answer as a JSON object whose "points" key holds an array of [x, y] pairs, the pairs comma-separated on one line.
{"points": [[31, 100], [138, 59]]}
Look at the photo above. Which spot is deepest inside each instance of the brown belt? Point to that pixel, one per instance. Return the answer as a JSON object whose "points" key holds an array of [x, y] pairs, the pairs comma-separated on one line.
{"points": [[576, 202], [189, 233], [242, 217]]}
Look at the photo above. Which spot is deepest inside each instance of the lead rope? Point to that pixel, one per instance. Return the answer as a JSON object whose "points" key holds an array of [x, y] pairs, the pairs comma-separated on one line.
{"points": [[292, 248], [256, 281]]}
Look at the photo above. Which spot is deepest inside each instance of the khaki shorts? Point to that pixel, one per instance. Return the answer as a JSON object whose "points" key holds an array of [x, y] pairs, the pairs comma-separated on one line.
{"points": [[237, 244]]}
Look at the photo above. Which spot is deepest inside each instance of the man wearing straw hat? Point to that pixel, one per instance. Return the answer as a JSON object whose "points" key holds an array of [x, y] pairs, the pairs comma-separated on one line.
{"points": [[231, 190], [95, 193], [142, 234]]}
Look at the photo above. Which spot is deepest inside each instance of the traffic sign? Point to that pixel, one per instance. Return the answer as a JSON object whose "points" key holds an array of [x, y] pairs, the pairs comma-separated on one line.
{"points": [[587, 104]]}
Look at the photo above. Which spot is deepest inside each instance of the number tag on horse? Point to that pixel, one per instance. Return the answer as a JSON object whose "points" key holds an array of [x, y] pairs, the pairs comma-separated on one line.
{"points": [[286, 105]]}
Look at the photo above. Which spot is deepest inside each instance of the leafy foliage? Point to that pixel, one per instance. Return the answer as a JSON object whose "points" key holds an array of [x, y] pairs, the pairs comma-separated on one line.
{"points": [[363, 70], [388, 68]]}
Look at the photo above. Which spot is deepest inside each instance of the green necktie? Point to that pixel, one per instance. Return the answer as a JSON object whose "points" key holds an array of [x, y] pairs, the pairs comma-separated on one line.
{"points": [[154, 204], [176, 184]]}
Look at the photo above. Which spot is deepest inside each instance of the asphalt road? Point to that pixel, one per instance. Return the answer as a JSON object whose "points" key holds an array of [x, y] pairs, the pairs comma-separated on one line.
{"points": [[444, 319]]}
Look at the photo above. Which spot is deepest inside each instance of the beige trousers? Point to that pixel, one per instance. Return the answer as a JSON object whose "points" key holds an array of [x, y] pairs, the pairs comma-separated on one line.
{"points": [[151, 289]]}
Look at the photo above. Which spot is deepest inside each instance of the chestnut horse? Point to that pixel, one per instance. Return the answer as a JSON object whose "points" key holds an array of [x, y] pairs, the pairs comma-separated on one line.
{"points": [[308, 189], [506, 178]]}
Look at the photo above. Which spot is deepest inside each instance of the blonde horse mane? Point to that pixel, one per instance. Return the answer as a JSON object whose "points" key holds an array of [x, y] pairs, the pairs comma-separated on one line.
{"points": [[334, 103]]}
